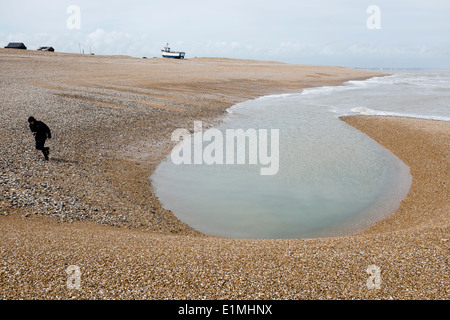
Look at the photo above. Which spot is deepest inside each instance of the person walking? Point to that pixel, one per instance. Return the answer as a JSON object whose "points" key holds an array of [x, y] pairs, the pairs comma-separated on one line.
{"points": [[41, 133]]}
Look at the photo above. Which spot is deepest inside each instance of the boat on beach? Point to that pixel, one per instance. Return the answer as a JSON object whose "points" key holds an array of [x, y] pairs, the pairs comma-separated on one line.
{"points": [[167, 53]]}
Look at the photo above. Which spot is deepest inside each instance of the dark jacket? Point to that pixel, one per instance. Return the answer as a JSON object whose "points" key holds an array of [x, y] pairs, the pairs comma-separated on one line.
{"points": [[40, 130]]}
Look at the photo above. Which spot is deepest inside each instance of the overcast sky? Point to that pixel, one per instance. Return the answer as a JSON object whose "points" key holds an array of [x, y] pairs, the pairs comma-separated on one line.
{"points": [[413, 33]]}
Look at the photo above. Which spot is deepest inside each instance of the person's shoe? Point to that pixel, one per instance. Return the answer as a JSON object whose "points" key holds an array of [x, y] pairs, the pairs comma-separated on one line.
{"points": [[46, 152]]}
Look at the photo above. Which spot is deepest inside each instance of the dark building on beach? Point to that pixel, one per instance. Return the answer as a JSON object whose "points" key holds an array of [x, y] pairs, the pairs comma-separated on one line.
{"points": [[46, 49], [16, 45]]}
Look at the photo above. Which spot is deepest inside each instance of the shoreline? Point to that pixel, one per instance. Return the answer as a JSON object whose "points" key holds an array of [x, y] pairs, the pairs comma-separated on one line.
{"points": [[426, 176], [55, 210]]}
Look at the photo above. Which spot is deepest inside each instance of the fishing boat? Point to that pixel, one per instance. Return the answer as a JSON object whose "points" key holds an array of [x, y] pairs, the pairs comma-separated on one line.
{"points": [[167, 53]]}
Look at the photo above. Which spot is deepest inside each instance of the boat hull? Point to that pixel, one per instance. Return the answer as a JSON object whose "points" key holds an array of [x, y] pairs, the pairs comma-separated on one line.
{"points": [[174, 55]]}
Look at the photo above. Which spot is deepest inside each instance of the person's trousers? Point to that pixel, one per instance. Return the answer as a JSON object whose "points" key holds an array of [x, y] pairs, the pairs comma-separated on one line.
{"points": [[40, 145]]}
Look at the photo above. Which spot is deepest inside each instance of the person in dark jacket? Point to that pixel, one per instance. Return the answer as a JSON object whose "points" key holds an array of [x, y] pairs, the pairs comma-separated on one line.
{"points": [[41, 133]]}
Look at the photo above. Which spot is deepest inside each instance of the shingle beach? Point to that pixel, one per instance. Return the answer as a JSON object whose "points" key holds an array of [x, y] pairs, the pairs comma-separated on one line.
{"points": [[92, 205]]}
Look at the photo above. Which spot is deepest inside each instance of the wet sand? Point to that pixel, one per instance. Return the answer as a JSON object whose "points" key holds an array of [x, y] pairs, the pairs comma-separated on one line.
{"points": [[92, 204]]}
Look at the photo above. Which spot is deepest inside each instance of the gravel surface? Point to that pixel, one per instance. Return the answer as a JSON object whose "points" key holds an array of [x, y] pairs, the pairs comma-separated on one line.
{"points": [[92, 205]]}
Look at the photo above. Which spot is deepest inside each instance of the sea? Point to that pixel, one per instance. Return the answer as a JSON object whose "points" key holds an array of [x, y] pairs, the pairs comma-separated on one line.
{"points": [[332, 180]]}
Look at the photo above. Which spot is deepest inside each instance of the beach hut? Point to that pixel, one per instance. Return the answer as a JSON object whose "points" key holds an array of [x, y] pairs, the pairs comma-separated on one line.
{"points": [[16, 45], [46, 49]]}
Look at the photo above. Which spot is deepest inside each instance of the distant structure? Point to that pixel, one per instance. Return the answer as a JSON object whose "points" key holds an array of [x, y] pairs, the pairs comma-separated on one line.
{"points": [[16, 45], [46, 49]]}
